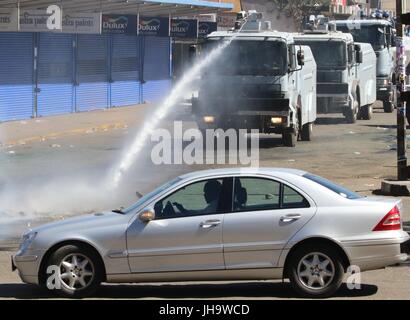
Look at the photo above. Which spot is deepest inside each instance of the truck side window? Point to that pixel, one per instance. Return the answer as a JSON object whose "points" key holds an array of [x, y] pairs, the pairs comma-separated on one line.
{"points": [[292, 58]]}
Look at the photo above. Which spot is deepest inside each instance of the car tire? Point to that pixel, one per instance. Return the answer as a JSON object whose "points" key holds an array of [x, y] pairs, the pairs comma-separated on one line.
{"points": [[328, 266], [388, 106], [80, 279], [306, 132]]}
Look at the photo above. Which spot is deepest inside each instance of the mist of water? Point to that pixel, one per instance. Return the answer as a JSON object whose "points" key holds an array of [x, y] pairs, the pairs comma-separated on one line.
{"points": [[176, 94]]}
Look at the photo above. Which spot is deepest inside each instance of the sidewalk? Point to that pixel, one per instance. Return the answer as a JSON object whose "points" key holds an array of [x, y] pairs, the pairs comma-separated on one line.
{"points": [[40, 129]]}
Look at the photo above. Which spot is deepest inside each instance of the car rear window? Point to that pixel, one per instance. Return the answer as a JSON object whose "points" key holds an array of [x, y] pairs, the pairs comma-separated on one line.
{"points": [[345, 193]]}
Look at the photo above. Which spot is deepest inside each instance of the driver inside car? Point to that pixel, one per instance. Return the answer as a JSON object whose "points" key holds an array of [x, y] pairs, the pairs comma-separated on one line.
{"points": [[212, 191]]}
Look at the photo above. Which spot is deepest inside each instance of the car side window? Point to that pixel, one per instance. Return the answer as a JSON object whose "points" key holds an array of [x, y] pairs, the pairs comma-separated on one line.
{"points": [[293, 199], [253, 194], [199, 198]]}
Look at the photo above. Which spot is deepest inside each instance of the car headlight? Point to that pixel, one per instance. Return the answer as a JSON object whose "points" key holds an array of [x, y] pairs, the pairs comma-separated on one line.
{"points": [[27, 240]]}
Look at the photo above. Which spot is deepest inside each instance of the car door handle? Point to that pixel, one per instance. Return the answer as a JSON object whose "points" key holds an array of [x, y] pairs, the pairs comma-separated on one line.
{"points": [[290, 217], [210, 223]]}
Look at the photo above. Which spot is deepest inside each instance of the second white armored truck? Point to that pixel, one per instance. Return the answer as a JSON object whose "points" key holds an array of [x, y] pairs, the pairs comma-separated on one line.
{"points": [[346, 72]]}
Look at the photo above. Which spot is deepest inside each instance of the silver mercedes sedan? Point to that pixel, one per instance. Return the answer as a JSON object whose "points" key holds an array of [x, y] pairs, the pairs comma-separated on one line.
{"points": [[225, 224]]}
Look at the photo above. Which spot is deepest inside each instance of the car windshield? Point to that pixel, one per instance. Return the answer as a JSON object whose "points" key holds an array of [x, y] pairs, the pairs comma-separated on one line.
{"points": [[373, 34], [345, 193], [328, 54], [151, 195], [249, 58]]}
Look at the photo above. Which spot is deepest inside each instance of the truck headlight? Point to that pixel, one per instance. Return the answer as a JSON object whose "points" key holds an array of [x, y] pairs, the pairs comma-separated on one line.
{"points": [[27, 240], [209, 119], [276, 120]]}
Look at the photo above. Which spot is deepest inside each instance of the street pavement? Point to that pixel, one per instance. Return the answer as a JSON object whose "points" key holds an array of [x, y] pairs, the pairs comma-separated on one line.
{"points": [[46, 161]]}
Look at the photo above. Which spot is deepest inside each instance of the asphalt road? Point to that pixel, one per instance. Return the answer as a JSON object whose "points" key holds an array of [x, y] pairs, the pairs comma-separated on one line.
{"points": [[47, 177]]}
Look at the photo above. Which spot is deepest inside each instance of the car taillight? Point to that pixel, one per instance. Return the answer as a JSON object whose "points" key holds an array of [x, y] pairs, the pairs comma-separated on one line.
{"points": [[391, 221]]}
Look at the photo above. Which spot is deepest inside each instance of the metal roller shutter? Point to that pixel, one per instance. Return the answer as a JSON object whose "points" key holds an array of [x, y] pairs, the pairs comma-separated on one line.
{"points": [[55, 74], [125, 62], [157, 60], [92, 72], [16, 76]]}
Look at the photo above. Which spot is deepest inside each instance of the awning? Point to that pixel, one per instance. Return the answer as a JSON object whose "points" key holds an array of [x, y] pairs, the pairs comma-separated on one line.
{"points": [[146, 7]]}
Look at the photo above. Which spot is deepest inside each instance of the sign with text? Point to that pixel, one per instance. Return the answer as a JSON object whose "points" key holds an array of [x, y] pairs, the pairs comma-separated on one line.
{"points": [[184, 28], [38, 21], [153, 26], [205, 28], [9, 19], [82, 23], [119, 23]]}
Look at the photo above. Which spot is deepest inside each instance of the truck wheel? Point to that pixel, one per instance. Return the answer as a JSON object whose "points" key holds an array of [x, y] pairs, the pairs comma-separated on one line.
{"points": [[306, 133], [388, 106], [289, 138], [366, 112]]}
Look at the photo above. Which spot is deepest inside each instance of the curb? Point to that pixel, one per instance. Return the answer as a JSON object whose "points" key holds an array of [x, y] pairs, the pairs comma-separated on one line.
{"points": [[76, 131]]}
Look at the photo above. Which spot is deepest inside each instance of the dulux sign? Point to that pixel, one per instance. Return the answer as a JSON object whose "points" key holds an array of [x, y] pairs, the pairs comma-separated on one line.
{"points": [[205, 28], [119, 23], [153, 26], [184, 28]]}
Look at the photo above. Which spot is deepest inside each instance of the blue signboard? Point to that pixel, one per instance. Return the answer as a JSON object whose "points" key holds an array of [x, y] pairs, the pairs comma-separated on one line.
{"points": [[184, 28], [205, 28], [119, 23], [153, 26]]}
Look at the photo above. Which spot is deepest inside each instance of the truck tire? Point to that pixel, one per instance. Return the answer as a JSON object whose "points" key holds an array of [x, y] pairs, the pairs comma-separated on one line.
{"points": [[388, 106], [289, 138], [306, 133], [366, 112], [352, 111]]}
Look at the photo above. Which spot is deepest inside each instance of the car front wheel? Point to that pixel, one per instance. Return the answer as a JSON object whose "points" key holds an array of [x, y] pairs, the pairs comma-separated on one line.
{"points": [[79, 271], [315, 271]]}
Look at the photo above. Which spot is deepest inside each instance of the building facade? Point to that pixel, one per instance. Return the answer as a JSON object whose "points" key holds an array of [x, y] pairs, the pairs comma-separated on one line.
{"points": [[124, 59]]}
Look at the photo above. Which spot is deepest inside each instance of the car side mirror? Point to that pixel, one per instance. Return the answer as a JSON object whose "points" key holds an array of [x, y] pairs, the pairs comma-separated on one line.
{"points": [[301, 58], [147, 215]]}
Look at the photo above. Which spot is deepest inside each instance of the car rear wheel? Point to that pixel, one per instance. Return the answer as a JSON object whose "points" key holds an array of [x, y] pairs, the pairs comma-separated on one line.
{"points": [[79, 271], [315, 271], [366, 112]]}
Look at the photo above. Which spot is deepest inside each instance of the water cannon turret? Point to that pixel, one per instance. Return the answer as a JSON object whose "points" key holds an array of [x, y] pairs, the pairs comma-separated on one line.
{"points": [[317, 24], [251, 21]]}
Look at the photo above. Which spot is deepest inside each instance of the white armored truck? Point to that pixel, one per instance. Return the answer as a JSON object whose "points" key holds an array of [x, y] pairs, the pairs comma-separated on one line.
{"points": [[346, 72], [379, 33], [262, 80]]}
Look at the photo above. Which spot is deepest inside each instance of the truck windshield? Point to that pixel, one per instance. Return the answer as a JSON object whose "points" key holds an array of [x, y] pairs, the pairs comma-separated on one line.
{"points": [[249, 58], [373, 34], [328, 54]]}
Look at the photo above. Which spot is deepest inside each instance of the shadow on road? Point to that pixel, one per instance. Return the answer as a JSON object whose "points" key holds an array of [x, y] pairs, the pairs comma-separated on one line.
{"points": [[330, 121], [264, 290]]}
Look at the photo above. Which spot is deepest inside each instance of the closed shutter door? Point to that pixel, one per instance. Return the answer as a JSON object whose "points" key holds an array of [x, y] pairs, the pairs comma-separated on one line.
{"points": [[55, 74], [16, 76], [156, 69], [125, 61], [92, 75]]}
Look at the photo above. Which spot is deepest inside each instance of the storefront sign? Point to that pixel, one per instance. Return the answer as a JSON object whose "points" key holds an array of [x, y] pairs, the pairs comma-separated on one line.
{"points": [[82, 23], [38, 21], [184, 28], [205, 28], [153, 26], [8, 19], [119, 23], [226, 21]]}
